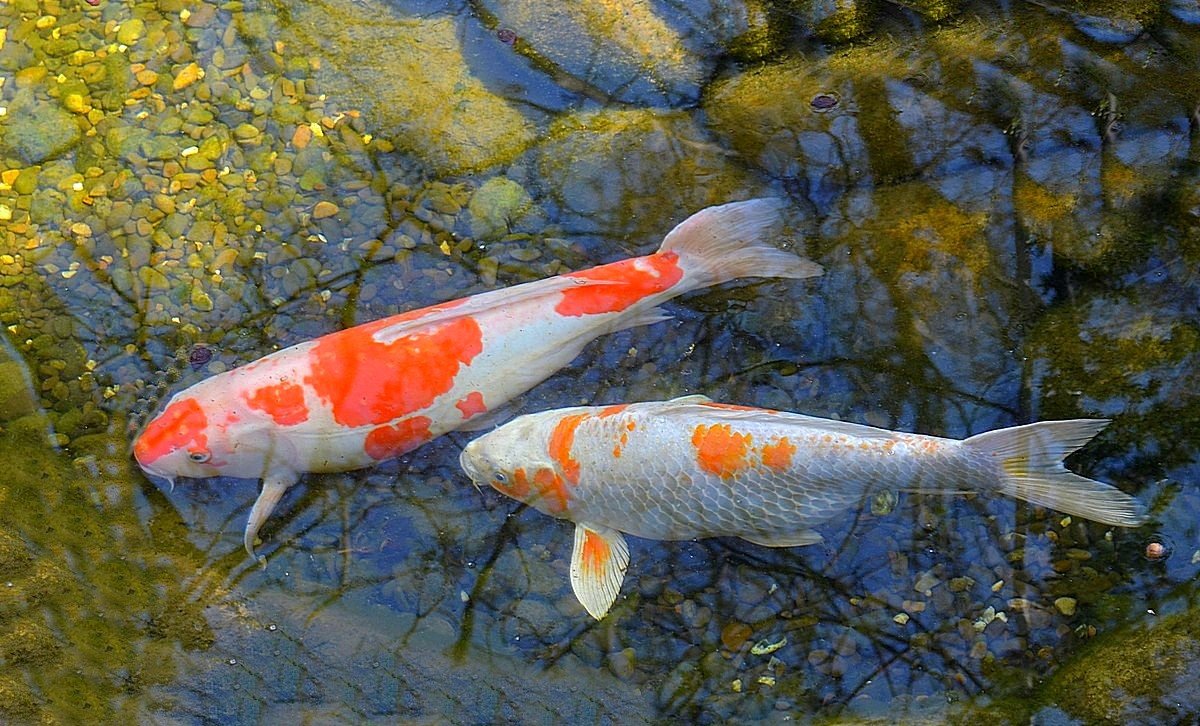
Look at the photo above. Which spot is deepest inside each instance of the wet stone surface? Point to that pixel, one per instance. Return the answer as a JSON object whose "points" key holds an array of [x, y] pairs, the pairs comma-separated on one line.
{"points": [[1005, 202]]}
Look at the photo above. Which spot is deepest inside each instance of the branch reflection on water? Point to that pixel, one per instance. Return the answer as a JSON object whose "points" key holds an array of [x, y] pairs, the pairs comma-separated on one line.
{"points": [[1005, 204]]}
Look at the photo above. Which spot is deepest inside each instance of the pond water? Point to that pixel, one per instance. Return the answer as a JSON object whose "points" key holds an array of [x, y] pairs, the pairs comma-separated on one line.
{"points": [[1005, 198]]}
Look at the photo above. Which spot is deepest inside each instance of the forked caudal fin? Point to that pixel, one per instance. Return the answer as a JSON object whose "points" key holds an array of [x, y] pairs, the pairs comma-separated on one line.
{"points": [[729, 241], [1031, 459]]}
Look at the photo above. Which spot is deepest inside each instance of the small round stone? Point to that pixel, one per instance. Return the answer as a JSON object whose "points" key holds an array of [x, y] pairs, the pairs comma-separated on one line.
{"points": [[1157, 549], [734, 635], [324, 209], [1065, 605], [823, 102]]}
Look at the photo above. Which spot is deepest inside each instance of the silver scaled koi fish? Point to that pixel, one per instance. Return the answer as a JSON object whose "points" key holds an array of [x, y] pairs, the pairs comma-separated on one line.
{"points": [[374, 391], [689, 468]]}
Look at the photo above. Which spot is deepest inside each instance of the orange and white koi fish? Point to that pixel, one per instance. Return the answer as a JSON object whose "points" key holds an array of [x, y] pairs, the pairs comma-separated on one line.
{"points": [[351, 398], [690, 468]]}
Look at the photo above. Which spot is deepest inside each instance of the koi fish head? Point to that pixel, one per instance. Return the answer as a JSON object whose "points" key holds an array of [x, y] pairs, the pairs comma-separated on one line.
{"points": [[516, 461], [184, 441]]}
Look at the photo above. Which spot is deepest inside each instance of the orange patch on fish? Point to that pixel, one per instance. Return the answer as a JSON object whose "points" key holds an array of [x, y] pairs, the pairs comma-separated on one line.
{"points": [[623, 439], [736, 407], [777, 455], [552, 489], [283, 402], [561, 441], [384, 442], [594, 554], [231, 418], [630, 281], [520, 484], [367, 382], [181, 425], [719, 450], [921, 444], [612, 410], [471, 405]]}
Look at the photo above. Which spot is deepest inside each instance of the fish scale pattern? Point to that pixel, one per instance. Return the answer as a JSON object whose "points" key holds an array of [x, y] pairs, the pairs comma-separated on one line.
{"points": [[646, 474]]}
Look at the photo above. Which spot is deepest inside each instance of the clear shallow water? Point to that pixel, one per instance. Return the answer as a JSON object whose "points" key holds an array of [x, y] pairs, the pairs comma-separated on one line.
{"points": [[1006, 206]]}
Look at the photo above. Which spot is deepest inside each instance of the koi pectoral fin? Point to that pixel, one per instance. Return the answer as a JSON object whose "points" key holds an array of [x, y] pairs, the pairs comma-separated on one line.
{"points": [[489, 419], [598, 565], [272, 490]]}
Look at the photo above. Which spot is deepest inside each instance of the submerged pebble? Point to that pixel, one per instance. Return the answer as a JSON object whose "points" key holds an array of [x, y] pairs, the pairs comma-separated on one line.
{"points": [[1158, 548], [1065, 605], [734, 635]]}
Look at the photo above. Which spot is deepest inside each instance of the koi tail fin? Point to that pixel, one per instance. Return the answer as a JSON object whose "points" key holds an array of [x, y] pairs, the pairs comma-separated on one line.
{"points": [[722, 243], [1031, 461]]}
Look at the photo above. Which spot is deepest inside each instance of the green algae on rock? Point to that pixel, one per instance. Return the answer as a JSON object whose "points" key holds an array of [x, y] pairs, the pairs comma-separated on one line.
{"points": [[497, 206], [624, 49], [411, 82], [610, 168], [1137, 673], [83, 577], [37, 130]]}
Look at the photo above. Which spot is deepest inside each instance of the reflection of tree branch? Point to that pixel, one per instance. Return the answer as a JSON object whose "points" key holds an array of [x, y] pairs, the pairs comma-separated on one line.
{"points": [[502, 539], [556, 74]]}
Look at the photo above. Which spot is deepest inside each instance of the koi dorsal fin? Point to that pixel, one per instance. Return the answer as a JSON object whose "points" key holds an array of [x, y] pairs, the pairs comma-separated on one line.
{"points": [[598, 564], [713, 411], [415, 321]]}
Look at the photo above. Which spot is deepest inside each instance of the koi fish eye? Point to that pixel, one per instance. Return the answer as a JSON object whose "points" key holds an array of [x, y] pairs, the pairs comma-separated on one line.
{"points": [[199, 456], [500, 478]]}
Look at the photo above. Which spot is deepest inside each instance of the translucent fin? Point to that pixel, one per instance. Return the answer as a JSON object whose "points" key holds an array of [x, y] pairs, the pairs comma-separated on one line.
{"points": [[1031, 458], [641, 317], [790, 539], [479, 303], [598, 565], [726, 242], [691, 398], [272, 489], [708, 410], [488, 419]]}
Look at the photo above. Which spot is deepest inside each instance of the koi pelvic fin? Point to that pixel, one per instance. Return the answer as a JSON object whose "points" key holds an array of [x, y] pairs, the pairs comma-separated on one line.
{"points": [[273, 488], [1031, 457], [790, 539], [641, 317], [598, 564]]}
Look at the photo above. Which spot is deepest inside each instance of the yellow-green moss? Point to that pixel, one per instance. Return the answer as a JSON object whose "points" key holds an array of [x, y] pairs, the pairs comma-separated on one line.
{"points": [[763, 35], [81, 582], [1122, 676], [412, 83], [609, 43], [1042, 210], [918, 230], [614, 165]]}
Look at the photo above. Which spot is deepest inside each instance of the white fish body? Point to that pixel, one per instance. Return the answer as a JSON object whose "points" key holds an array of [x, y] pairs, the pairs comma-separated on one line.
{"points": [[691, 468], [354, 397]]}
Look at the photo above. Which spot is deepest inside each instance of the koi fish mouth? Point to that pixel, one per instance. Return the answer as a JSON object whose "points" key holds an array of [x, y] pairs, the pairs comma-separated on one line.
{"points": [[157, 475], [467, 460]]}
